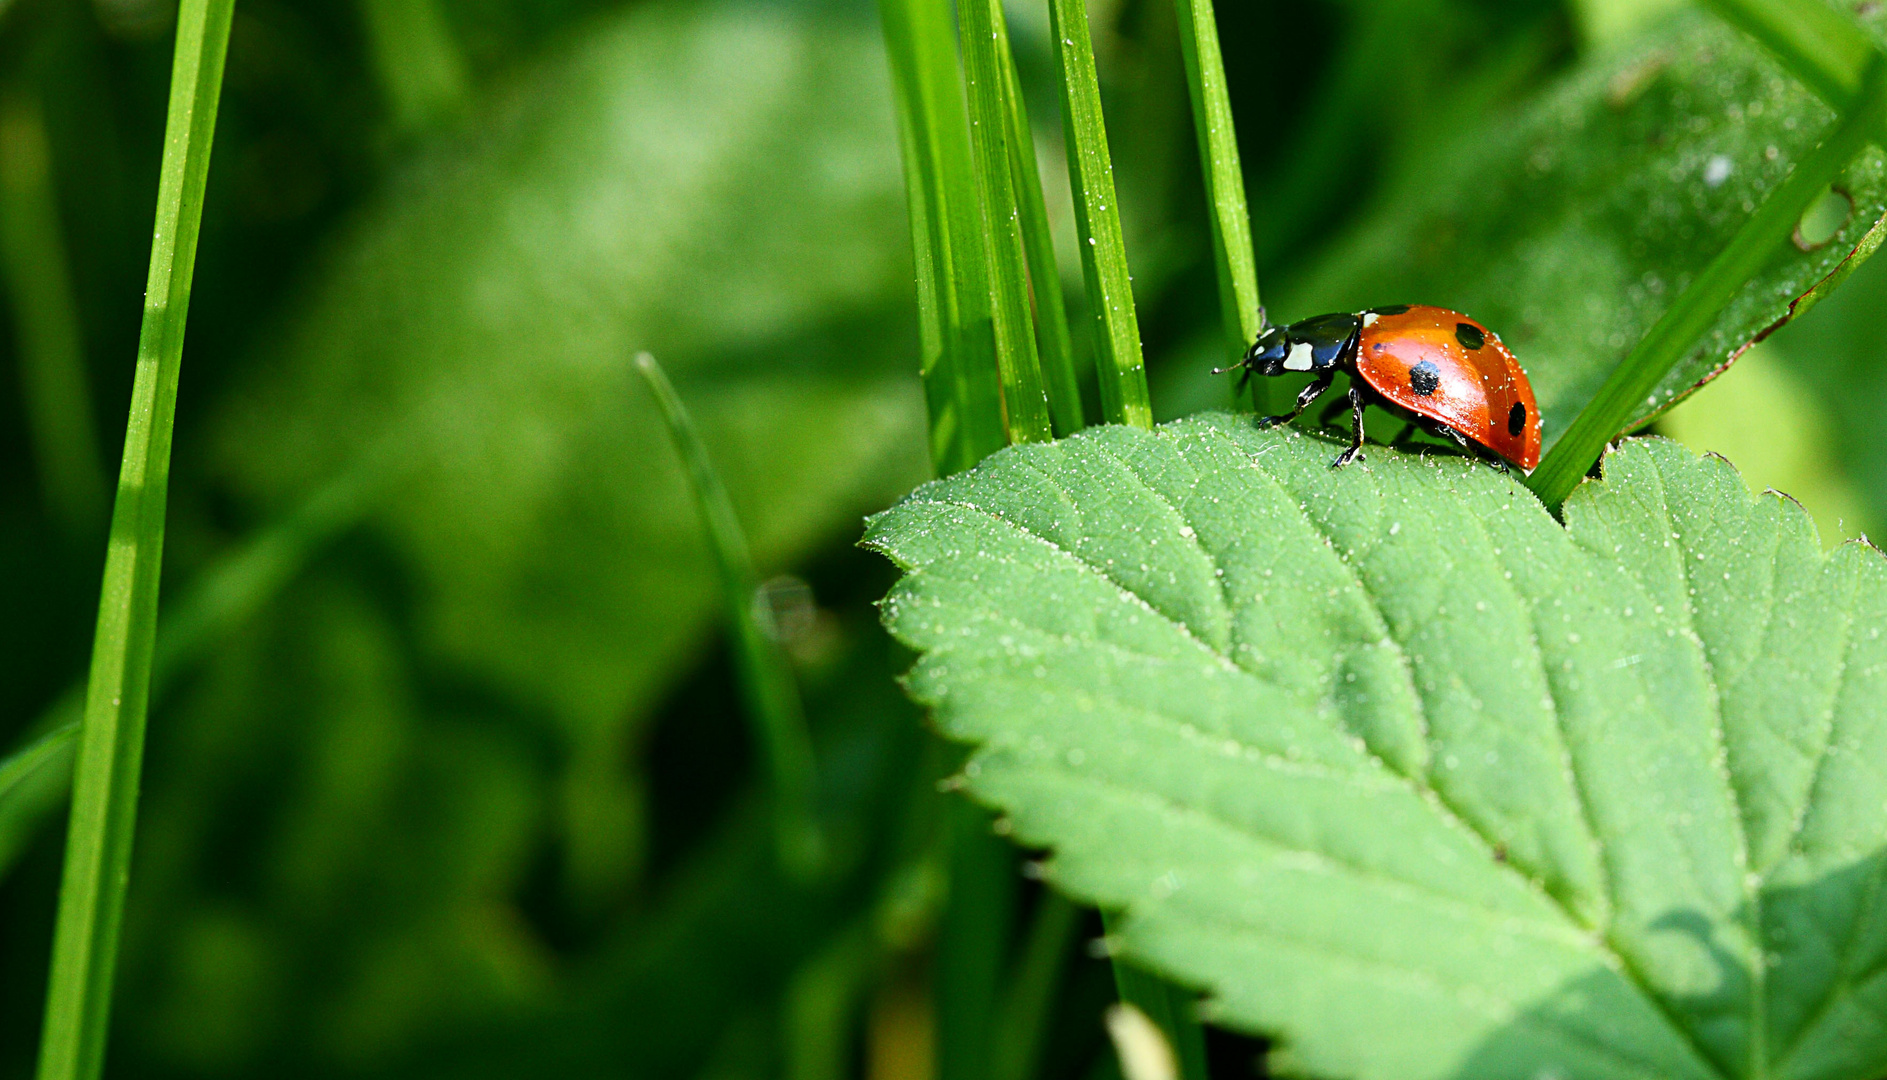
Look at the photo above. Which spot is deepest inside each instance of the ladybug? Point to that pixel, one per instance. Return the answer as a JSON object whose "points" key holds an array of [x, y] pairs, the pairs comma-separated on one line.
{"points": [[1435, 368]]}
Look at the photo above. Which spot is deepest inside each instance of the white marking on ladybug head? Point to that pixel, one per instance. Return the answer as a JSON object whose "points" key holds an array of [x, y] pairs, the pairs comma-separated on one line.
{"points": [[1299, 358], [1369, 319]]}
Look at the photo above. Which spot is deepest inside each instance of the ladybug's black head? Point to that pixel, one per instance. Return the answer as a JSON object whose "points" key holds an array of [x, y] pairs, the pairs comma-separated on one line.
{"points": [[1317, 344], [1266, 356]]}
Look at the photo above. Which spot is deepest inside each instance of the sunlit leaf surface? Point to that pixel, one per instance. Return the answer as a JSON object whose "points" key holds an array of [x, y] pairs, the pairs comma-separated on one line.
{"points": [[1410, 776]]}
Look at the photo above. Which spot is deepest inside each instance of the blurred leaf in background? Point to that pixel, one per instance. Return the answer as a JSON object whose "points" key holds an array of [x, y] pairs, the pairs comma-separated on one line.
{"points": [[354, 815], [1836, 365], [1571, 226], [716, 185]]}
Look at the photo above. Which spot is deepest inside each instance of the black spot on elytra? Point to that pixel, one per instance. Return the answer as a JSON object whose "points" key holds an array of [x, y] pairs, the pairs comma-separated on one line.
{"points": [[1424, 378], [1392, 309], [1516, 419], [1469, 335]]}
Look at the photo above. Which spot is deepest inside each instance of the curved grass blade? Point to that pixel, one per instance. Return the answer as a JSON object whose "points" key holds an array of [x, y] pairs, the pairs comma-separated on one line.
{"points": [[34, 779], [1120, 365], [1024, 400], [1225, 179], [773, 704], [1696, 309], [111, 738], [218, 601]]}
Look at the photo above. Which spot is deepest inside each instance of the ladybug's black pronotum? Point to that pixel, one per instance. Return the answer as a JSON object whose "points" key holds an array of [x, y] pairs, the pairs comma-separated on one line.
{"points": [[1435, 368]]}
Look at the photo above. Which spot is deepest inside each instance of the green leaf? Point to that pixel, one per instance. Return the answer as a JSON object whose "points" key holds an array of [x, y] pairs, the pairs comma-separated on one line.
{"points": [[1572, 226], [1412, 778]]}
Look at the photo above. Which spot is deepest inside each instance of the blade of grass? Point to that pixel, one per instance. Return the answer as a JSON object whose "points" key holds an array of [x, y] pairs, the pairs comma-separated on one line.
{"points": [[1022, 1028], [1119, 363], [973, 940], [1051, 310], [220, 600], [111, 737], [1024, 399], [1169, 1007], [959, 364], [46, 320], [33, 781], [766, 677], [936, 291], [1225, 179], [821, 1007], [1625, 391]]}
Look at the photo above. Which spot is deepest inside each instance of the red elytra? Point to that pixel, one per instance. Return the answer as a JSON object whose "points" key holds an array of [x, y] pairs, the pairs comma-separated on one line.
{"points": [[1436, 368]]}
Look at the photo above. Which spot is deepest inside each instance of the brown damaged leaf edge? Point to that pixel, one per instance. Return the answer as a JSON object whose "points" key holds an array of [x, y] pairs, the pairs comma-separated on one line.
{"points": [[1798, 307]]}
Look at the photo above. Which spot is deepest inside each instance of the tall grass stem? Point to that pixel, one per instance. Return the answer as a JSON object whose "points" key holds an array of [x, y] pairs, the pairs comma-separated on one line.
{"points": [[1225, 180], [766, 676], [1024, 397], [1170, 1007], [1120, 365], [1028, 1007], [973, 941], [1056, 345], [958, 355], [1626, 392], [111, 736]]}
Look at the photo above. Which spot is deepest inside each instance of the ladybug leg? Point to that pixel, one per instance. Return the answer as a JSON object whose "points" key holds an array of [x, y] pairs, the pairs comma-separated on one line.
{"points": [[1355, 452], [1447, 432], [1473, 450], [1309, 394]]}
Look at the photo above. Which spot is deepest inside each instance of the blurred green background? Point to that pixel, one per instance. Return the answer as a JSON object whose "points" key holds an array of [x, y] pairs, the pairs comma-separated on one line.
{"points": [[470, 792]]}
